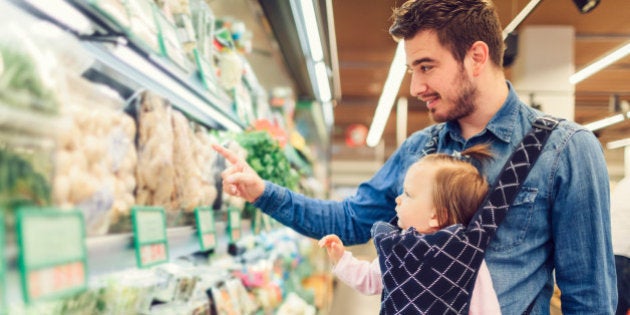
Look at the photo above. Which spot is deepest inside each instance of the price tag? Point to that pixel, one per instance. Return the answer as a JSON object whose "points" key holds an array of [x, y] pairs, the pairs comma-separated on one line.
{"points": [[150, 241], [52, 254], [234, 224], [206, 230]]}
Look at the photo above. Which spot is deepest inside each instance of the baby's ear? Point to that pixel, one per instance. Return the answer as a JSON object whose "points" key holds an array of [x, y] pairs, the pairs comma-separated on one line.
{"points": [[434, 222]]}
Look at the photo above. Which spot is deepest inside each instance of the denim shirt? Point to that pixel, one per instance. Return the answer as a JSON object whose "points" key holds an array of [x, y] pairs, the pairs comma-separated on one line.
{"points": [[558, 225]]}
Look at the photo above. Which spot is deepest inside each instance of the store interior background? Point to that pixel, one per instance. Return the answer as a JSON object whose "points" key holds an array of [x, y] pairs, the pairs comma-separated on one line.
{"points": [[358, 52], [359, 55]]}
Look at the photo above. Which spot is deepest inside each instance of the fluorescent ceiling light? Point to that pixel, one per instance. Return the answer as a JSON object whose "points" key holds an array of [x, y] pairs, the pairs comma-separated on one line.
{"points": [[312, 30], [519, 18], [600, 64], [603, 123], [386, 101], [618, 144], [323, 85]]}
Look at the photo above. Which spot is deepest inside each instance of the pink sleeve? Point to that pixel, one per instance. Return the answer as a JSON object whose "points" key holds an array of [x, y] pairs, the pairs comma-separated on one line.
{"points": [[484, 299], [361, 275]]}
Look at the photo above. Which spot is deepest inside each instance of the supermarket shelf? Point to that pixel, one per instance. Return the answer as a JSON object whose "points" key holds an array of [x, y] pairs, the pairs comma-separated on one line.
{"points": [[146, 69], [111, 253], [137, 68], [115, 252]]}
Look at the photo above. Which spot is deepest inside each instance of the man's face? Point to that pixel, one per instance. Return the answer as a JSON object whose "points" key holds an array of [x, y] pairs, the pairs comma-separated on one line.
{"points": [[438, 79]]}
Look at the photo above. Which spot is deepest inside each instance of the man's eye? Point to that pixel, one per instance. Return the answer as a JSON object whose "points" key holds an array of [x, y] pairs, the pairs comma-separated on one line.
{"points": [[425, 68]]}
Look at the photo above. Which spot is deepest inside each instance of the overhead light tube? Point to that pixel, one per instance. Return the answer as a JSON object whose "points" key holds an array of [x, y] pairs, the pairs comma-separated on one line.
{"points": [[386, 101], [618, 144], [599, 64], [323, 85], [312, 30], [519, 18], [603, 123]]}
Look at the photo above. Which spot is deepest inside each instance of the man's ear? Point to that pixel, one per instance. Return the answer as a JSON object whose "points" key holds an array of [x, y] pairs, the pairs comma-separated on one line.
{"points": [[480, 56]]}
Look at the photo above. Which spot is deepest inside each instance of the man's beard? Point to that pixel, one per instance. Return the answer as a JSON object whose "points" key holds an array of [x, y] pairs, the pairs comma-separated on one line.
{"points": [[464, 105]]}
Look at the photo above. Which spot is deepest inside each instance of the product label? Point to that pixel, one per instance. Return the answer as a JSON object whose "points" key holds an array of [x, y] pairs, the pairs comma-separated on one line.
{"points": [[234, 224], [52, 253], [206, 229], [149, 230]]}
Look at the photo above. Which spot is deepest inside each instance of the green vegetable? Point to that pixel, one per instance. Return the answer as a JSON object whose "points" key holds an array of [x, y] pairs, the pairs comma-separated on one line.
{"points": [[20, 184], [21, 85], [268, 160]]}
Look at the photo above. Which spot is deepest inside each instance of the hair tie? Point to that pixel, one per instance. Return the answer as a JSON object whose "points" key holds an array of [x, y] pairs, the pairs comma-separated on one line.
{"points": [[462, 157]]}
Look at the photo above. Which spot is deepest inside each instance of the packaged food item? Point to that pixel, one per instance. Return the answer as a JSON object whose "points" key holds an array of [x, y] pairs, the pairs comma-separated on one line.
{"points": [[125, 292], [155, 174], [176, 284], [188, 192], [96, 156], [143, 25], [170, 44], [26, 167]]}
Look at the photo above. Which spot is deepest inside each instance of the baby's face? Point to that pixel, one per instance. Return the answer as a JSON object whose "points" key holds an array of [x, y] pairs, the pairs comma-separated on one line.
{"points": [[414, 206]]}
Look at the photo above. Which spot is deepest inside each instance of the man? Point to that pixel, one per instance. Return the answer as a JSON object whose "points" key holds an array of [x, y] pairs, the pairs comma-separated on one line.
{"points": [[559, 223]]}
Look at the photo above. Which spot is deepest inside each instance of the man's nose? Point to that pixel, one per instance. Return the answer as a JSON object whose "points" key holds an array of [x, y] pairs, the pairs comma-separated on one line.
{"points": [[418, 86]]}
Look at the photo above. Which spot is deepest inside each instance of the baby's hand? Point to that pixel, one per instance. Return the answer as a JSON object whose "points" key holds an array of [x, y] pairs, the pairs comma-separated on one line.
{"points": [[334, 247]]}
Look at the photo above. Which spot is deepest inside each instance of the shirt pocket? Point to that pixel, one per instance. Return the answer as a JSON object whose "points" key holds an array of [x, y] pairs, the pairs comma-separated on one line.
{"points": [[519, 219]]}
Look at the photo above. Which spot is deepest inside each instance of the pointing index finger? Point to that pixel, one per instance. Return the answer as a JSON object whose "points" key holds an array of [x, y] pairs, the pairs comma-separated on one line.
{"points": [[227, 154]]}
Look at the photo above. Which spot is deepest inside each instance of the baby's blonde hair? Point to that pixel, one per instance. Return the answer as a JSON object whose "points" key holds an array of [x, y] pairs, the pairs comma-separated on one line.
{"points": [[459, 187]]}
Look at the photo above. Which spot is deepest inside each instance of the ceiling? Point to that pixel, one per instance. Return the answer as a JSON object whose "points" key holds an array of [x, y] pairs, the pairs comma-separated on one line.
{"points": [[365, 51]]}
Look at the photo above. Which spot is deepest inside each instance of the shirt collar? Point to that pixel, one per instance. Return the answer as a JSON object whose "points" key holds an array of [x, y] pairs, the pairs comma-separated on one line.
{"points": [[501, 125]]}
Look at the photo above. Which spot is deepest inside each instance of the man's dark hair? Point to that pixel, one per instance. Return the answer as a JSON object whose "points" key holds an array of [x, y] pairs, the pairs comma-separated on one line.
{"points": [[457, 23]]}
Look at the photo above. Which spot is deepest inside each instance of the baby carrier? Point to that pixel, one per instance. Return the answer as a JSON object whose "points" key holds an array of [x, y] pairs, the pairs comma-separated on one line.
{"points": [[435, 273]]}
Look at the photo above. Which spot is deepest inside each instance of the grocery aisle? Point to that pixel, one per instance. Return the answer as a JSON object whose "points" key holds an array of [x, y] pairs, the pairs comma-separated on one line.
{"points": [[347, 301]]}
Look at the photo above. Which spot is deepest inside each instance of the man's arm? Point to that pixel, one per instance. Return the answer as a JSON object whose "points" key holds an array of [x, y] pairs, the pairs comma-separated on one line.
{"points": [[351, 219], [584, 260]]}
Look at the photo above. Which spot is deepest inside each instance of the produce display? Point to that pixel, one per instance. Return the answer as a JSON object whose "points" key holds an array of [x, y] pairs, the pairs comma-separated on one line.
{"points": [[20, 184], [174, 160], [96, 157], [254, 283], [120, 145], [267, 158], [155, 173], [20, 82]]}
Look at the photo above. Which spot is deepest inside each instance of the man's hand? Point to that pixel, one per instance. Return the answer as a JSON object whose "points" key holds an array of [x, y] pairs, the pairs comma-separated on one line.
{"points": [[334, 247], [240, 179]]}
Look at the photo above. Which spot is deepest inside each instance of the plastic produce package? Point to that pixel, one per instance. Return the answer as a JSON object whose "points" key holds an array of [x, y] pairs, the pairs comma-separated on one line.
{"points": [[96, 157], [156, 172]]}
